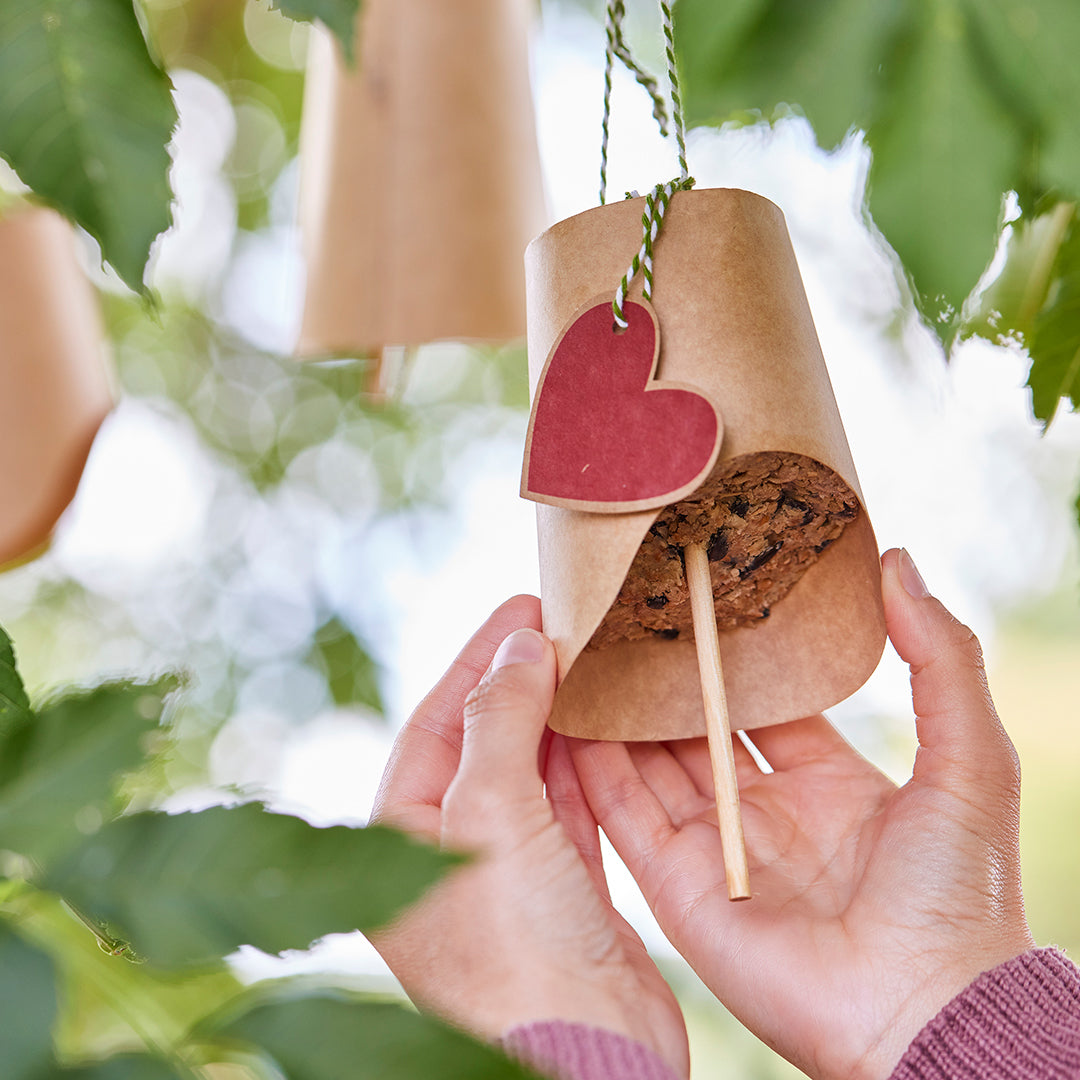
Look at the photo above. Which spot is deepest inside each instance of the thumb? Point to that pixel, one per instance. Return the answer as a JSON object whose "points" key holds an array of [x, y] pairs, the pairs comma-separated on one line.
{"points": [[505, 717], [960, 735]]}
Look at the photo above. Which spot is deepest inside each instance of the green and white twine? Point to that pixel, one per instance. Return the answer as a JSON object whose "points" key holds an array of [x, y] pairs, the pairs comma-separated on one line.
{"points": [[673, 83], [656, 202], [617, 47]]}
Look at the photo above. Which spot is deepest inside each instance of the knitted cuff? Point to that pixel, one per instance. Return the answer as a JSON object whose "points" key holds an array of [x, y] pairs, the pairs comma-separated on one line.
{"points": [[1020, 1021], [579, 1052]]}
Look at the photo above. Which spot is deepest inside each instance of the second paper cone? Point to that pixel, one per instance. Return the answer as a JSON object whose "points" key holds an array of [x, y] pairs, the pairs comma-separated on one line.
{"points": [[421, 177]]}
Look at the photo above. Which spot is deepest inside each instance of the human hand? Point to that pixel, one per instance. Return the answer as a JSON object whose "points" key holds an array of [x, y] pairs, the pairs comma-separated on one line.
{"points": [[525, 932], [873, 906]]}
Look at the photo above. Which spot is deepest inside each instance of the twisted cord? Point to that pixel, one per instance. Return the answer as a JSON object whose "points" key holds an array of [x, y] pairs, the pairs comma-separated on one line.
{"points": [[673, 80], [656, 203], [616, 48], [610, 33], [644, 79]]}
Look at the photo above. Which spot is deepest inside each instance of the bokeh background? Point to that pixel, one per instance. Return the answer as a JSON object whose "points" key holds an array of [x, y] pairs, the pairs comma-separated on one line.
{"points": [[312, 559]]}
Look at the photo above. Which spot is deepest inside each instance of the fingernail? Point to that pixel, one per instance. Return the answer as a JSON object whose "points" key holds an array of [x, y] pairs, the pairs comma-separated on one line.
{"points": [[521, 647], [910, 577]]}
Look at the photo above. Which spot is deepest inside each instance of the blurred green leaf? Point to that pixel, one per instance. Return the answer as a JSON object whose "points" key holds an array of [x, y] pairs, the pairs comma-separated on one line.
{"points": [[14, 704], [190, 888], [1055, 340], [945, 152], [127, 1067], [338, 16], [329, 1035], [1030, 52], [58, 771], [1035, 299], [1006, 309], [757, 55], [27, 1008], [351, 673], [109, 1006], [961, 102], [85, 116]]}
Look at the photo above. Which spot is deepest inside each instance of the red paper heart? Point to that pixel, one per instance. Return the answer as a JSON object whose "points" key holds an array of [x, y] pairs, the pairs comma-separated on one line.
{"points": [[603, 435]]}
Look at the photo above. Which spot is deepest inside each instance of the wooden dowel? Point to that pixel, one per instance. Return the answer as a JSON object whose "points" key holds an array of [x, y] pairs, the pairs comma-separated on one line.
{"points": [[716, 722]]}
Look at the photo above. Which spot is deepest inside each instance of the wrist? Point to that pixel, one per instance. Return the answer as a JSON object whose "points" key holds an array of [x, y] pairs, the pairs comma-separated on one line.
{"points": [[579, 1003], [573, 1051], [1008, 1023], [935, 991]]}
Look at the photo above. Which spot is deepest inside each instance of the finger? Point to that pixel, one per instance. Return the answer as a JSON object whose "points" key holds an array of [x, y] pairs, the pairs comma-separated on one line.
{"points": [[693, 756], [682, 797], [800, 742], [959, 732], [504, 721], [627, 809], [571, 810], [428, 748]]}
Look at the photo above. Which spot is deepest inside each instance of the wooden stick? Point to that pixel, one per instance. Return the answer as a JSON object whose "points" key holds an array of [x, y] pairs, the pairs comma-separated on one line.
{"points": [[716, 721]]}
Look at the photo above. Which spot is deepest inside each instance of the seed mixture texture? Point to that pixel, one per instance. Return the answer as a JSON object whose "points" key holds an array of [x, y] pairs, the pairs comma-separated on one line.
{"points": [[765, 518]]}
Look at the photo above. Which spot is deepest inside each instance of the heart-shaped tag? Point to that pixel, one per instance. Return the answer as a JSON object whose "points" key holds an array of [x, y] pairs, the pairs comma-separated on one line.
{"points": [[604, 435]]}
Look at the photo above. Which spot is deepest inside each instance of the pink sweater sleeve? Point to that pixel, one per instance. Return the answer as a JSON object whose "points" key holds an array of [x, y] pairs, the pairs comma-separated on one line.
{"points": [[1020, 1021], [568, 1051]]}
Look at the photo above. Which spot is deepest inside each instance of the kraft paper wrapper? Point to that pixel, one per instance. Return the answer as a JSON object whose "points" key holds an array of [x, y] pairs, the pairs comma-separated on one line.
{"points": [[420, 183], [54, 389], [734, 322]]}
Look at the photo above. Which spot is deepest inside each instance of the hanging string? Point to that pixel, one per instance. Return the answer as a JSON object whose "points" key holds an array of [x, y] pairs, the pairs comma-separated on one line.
{"points": [[673, 83], [609, 63], [656, 202], [616, 48]]}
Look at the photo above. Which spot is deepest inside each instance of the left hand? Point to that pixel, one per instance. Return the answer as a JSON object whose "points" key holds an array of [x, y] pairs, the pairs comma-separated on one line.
{"points": [[525, 932], [873, 905]]}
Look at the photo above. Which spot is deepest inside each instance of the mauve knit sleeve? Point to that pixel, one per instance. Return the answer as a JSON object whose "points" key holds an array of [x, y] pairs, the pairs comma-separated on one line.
{"points": [[1019, 1021], [568, 1051]]}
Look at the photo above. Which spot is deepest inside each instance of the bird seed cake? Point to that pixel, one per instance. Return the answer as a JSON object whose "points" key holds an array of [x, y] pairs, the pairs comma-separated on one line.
{"points": [[765, 518]]}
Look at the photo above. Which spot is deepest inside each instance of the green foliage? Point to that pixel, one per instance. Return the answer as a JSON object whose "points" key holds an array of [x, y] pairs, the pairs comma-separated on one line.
{"points": [[111, 1006], [127, 1067], [1055, 338], [58, 769], [945, 152], [27, 1008], [960, 101], [190, 888], [14, 705], [1029, 51], [85, 116], [351, 674], [1036, 300], [751, 56], [327, 1036], [339, 16]]}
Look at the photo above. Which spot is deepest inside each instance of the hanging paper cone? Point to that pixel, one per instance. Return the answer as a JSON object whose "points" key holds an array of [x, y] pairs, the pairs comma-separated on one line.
{"points": [[54, 391], [421, 177], [735, 326]]}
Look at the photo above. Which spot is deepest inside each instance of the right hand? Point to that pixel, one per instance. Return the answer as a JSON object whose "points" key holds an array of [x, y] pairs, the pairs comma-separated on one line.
{"points": [[873, 906]]}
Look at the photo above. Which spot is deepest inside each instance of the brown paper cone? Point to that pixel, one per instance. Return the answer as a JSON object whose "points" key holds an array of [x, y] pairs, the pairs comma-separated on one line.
{"points": [[735, 323], [421, 177], [54, 391]]}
